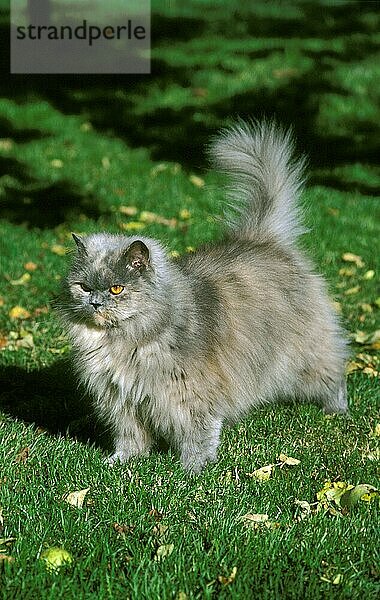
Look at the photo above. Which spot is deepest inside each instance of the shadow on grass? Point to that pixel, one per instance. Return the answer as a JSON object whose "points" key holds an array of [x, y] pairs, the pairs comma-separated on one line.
{"points": [[109, 101], [49, 398]]}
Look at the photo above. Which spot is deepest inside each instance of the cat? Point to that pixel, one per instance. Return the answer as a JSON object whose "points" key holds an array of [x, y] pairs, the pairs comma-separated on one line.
{"points": [[174, 349]]}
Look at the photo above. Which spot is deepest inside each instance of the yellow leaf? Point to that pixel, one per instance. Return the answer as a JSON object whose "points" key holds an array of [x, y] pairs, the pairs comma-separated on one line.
{"points": [[353, 290], [337, 579], [57, 163], [106, 162], [255, 518], [58, 249], [6, 144], [163, 552], [227, 580], [77, 498], [17, 312], [133, 226], [369, 274], [288, 460], [349, 257], [23, 280], [130, 211], [376, 431], [30, 266], [262, 474], [174, 253], [347, 271], [365, 307], [55, 558], [197, 181], [184, 214]]}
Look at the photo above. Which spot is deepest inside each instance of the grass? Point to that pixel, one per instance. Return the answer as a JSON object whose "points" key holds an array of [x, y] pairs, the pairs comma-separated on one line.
{"points": [[69, 166]]}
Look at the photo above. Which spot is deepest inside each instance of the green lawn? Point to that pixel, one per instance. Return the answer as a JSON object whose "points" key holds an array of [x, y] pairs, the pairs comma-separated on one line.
{"points": [[126, 154]]}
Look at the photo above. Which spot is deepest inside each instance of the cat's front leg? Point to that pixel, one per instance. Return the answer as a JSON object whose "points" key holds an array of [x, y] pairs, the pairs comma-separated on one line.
{"points": [[198, 442], [131, 439]]}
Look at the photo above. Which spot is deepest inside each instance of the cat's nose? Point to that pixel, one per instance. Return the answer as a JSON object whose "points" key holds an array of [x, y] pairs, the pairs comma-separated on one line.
{"points": [[96, 305]]}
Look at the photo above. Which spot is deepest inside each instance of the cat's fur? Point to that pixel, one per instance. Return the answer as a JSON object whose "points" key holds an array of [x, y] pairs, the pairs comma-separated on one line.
{"points": [[194, 343]]}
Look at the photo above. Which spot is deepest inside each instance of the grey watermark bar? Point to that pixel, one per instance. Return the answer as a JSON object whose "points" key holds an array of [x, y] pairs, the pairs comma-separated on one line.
{"points": [[80, 36]]}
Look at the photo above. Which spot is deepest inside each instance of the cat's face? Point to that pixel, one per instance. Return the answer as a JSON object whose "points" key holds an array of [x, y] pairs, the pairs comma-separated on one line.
{"points": [[107, 283]]}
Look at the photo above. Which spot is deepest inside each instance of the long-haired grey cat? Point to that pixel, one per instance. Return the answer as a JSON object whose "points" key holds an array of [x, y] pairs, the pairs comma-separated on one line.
{"points": [[174, 349]]}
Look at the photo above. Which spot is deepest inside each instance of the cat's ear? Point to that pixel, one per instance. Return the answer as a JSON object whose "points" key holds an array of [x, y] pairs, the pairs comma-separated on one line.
{"points": [[137, 255], [80, 244]]}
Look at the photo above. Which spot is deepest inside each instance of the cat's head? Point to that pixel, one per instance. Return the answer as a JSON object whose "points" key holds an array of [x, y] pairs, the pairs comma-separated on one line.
{"points": [[113, 280]]}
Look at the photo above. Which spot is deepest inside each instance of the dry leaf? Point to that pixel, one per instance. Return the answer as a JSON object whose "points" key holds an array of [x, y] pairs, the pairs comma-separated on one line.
{"points": [[122, 530], [6, 144], [59, 249], [197, 181], [23, 455], [349, 257], [23, 280], [17, 312], [184, 214], [5, 558], [369, 274], [303, 509], [30, 266], [255, 518], [262, 474], [353, 290], [106, 162], [77, 498], [130, 211], [163, 552], [347, 271], [227, 580], [158, 169], [57, 163], [133, 226], [365, 307], [288, 460]]}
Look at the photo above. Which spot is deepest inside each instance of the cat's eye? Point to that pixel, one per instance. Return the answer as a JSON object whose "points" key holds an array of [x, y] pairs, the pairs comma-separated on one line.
{"points": [[84, 287], [116, 289]]}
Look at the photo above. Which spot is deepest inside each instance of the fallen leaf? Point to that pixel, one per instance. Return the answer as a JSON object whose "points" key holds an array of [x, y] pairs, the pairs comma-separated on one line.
{"points": [[77, 498], [362, 491], [55, 558], [197, 181], [255, 518], [57, 163], [163, 552], [6, 144], [23, 455], [6, 558], [3, 341], [337, 579], [133, 226], [377, 302], [288, 460], [376, 431], [303, 509], [17, 312], [347, 271], [349, 257], [123, 530], [353, 290], [158, 169], [369, 274], [365, 307], [262, 474], [130, 211], [30, 266], [59, 249], [106, 162], [23, 280], [184, 214], [227, 580]]}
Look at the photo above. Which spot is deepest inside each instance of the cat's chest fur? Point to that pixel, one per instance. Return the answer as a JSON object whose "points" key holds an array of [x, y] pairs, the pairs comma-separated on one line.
{"points": [[119, 372]]}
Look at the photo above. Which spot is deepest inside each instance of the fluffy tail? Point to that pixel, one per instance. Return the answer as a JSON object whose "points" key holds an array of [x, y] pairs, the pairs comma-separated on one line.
{"points": [[265, 179]]}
